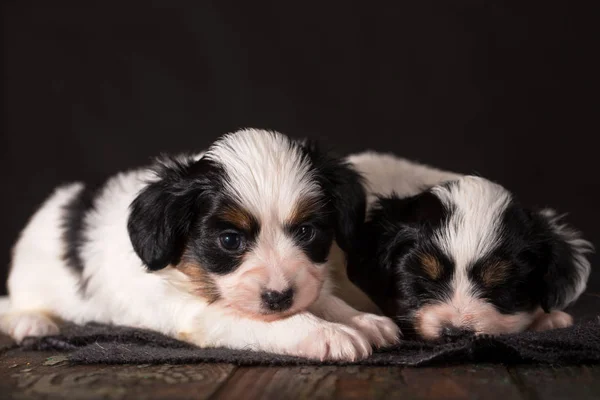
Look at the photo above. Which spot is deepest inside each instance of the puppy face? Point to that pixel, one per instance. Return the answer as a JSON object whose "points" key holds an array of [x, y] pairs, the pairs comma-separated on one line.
{"points": [[465, 258], [251, 223]]}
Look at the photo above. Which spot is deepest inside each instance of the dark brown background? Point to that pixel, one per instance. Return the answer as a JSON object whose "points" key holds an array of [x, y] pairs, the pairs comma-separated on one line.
{"points": [[494, 87]]}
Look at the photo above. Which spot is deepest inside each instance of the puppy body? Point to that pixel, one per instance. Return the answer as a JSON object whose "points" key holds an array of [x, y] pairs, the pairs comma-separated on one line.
{"points": [[449, 255], [229, 248], [386, 174]]}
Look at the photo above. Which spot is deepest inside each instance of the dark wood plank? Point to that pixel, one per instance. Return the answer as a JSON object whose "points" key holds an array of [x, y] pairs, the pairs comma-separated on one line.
{"points": [[279, 383], [543, 382], [481, 381], [314, 383], [372, 383], [45, 375]]}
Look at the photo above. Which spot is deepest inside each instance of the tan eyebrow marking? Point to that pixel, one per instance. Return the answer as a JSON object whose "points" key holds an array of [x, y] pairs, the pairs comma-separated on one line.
{"points": [[495, 272], [238, 217], [431, 265], [303, 210]]}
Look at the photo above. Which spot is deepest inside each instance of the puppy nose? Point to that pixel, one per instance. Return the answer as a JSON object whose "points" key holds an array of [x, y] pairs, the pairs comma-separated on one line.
{"points": [[278, 301], [451, 332]]}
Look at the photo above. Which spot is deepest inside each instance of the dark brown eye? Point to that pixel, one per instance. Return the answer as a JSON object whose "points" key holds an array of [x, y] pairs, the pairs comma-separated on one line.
{"points": [[231, 241], [305, 233]]}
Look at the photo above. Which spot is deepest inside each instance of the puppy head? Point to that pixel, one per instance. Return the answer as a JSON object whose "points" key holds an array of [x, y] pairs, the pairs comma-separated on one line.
{"points": [[251, 223], [464, 257]]}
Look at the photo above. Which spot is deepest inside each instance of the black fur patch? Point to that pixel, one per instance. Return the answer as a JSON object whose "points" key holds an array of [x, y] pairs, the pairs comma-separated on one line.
{"points": [[74, 229], [343, 187], [556, 259], [163, 214]]}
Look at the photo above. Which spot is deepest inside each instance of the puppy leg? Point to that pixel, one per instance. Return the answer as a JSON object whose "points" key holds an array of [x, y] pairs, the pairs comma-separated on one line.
{"points": [[20, 325], [551, 320], [381, 331], [302, 334]]}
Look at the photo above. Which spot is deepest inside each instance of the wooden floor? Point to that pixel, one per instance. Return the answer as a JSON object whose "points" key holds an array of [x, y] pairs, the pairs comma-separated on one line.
{"points": [[42, 375]]}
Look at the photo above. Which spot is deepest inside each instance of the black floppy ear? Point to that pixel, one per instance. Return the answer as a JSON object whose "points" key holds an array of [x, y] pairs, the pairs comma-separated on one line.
{"points": [[566, 268], [395, 224], [394, 227], [344, 186], [162, 214]]}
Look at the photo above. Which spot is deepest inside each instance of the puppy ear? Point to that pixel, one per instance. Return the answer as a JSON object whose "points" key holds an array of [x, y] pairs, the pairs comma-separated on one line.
{"points": [[566, 267], [163, 213], [395, 224], [344, 186]]}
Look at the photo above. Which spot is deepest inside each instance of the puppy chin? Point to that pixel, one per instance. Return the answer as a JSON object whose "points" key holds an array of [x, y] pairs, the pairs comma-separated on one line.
{"points": [[481, 318]]}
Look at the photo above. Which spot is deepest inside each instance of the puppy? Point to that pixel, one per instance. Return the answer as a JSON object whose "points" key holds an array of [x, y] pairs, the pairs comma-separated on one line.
{"points": [[232, 248], [451, 255]]}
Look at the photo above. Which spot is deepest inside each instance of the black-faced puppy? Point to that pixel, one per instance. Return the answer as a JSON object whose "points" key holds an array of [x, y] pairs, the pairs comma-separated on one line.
{"points": [[233, 248], [451, 255]]}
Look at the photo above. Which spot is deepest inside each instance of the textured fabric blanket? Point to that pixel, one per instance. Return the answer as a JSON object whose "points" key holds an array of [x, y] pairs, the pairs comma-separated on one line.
{"points": [[92, 344]]}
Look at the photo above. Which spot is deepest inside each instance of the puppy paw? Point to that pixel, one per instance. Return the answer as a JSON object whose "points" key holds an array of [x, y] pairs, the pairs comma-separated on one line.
{"points": [[332, 341], [22, 325], [553, 320], [380, 331]]}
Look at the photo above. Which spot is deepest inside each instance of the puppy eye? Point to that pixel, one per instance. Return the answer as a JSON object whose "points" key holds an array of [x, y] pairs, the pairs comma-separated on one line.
{"points": [[231, 241], [305, 233]]}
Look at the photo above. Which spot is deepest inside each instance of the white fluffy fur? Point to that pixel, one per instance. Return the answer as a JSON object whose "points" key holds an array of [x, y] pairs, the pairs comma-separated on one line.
{"points": [[268, 177], [4, 305]]}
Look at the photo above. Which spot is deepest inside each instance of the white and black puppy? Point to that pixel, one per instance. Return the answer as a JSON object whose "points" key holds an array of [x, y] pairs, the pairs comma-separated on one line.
{"points": [[233, 247], [451, 255]]}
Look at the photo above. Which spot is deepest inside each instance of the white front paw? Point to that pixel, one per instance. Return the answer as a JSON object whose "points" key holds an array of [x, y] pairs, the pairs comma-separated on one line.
{"points": [[553, 320], [26, 324], [332, 341], [380, 331]]}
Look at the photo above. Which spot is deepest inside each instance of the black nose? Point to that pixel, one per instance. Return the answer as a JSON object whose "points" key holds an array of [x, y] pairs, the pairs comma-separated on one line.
{"points": [[278, 301], [451, 332]]}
